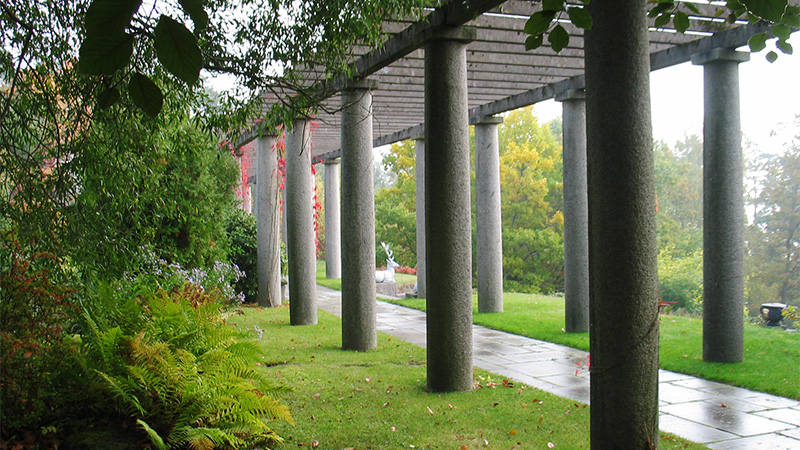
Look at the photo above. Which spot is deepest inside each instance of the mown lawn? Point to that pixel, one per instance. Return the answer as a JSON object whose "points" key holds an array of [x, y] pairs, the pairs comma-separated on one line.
{"points": [[378, 399], [771, 360]]}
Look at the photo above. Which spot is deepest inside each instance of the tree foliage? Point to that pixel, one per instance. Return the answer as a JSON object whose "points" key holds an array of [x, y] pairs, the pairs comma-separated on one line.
{"points": [[532, 204], [396, 206], [773, 238], [783, 17]]}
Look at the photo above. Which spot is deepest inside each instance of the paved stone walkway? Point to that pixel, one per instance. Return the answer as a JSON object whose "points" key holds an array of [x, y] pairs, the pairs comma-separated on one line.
{"points": [[690, 407]]}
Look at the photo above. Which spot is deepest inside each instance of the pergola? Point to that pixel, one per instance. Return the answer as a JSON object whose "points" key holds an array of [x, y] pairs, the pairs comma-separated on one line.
{"points": [[465, 64]]}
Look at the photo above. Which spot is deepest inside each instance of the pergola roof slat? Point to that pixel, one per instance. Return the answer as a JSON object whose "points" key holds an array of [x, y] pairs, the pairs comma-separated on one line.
{"points": [[502, 76]]}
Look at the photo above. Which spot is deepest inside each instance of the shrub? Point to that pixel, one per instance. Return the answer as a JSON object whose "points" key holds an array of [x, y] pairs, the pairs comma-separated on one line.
{"points": [[33, 313], [242, 233], [680, 280]]}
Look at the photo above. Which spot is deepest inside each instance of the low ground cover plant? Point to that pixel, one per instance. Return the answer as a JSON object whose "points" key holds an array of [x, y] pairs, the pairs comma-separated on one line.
{"points": [[147, 361]]}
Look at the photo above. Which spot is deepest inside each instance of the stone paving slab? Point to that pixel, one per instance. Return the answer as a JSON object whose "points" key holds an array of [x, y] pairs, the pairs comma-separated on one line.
{"points": [[714, 414]]}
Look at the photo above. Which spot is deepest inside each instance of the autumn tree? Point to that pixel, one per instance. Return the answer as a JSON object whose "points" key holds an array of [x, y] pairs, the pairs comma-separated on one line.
{"points": [[531, 189]]}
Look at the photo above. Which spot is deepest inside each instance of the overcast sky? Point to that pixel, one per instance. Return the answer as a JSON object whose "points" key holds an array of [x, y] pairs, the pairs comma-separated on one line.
{"points": [[770, 99]]}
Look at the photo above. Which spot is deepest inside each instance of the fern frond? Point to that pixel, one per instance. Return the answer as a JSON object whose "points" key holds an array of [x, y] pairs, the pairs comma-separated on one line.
{"points": [[157, 441]]}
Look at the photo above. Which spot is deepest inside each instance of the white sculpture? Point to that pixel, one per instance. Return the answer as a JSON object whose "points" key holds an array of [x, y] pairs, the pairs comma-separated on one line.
{"points": [[383, 276]]}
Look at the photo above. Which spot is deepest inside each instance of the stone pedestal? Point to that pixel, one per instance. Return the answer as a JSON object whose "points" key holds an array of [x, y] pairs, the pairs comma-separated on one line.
{"points": [[359, 328], [300, 226], [576, 213], [422, 285], [333, 244], [448, 229], [723, 207], [488, 216], [268, 223]]}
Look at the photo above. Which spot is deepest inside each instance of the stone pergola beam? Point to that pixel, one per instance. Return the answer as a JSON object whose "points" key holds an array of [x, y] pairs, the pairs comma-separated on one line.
{"points": [[448, 233], [723, 207], [300, 226], [359, 324]]}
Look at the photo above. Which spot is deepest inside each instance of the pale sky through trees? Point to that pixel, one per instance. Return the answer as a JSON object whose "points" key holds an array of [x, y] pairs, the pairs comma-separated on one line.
{"points": [[769, 93]]}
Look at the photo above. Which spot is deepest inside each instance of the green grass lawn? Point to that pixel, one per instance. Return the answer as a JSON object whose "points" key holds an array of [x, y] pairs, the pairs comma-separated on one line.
{"points": [[378, 399], [771, 361]]}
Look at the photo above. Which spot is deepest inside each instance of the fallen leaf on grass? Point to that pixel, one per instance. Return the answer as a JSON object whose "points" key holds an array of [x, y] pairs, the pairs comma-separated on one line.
{"points": [[550, 445], [512, 432], [314, 443], [430, 411]]}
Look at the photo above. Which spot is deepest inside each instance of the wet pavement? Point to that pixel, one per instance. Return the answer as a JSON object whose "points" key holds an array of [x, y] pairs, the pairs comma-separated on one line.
{"points": [[714, 414]]}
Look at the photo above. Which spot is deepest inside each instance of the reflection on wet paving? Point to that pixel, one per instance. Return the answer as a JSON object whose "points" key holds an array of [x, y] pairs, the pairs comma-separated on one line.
{"points": [[714, 414]]}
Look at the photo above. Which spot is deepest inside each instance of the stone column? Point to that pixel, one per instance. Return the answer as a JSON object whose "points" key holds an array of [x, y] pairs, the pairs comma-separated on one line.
{"points": [[723, 207], [359, 327], [576, 213], [422, 290], [333, 253], [300, 226], [448, 229], [488, 215], [623, 249], [268, 216]]}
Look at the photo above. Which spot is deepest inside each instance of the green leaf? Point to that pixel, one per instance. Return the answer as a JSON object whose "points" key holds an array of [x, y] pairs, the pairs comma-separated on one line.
{"points": [[758, 42], [792, 20], [104, 55], [770, 10], [176, 48], [691, 7], [108, 98], [781, 31], [145, 94], [534, 42], [109, 17], [558, 38], [660, 8], [681, 21], [194, 8], [539, 22], [662, 20], [553, 5], [784, 46], [580, 18], [772, 56]]}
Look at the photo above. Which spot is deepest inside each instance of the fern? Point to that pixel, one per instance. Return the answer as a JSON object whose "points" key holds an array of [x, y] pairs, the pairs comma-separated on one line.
{"points": [[187, 379]]}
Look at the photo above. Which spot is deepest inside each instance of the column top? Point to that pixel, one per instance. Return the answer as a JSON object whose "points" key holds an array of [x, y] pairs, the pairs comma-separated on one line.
{"points": [[488, 120], [331, 161], [449, 33], [367, 84], [720, 54], [571, 94]]}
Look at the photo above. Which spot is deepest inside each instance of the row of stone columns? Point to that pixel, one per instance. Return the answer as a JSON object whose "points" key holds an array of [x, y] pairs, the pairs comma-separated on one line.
{"points": [[615, 267]]}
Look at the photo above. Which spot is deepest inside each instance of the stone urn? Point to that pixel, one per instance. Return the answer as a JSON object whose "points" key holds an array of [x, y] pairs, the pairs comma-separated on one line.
{"points": [[773, 313]]}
